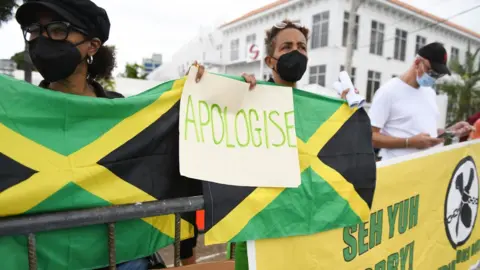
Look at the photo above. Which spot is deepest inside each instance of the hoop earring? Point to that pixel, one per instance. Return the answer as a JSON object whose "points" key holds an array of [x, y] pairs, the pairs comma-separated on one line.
{"points": [[90, 60]]}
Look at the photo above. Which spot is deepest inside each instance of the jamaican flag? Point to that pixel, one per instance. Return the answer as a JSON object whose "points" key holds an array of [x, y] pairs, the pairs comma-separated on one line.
{"points": [[338, 176], [63, 152]]}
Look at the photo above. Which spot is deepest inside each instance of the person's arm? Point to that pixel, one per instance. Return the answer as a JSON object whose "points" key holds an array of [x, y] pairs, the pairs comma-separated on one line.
{"points": [[379, 116], [420, 141], [384, 141]]}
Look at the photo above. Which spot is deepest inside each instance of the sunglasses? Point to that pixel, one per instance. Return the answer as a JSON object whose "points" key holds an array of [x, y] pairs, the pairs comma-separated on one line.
{"points": [[282, 25], [432, 73], [55, 30]]}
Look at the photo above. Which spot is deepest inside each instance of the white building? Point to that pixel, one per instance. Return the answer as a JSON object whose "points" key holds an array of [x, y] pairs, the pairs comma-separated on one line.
{"points": [[389, 34], [388, 37], [150, 64], [7, 67], [206, 48]]}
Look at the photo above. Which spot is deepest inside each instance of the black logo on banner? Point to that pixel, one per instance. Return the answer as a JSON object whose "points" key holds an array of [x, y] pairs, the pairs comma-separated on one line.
{"points": [[461, 203]]}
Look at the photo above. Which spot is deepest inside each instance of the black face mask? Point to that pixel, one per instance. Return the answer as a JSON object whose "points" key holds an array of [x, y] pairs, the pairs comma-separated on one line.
{"points": [[55, 60], [291, 66]]}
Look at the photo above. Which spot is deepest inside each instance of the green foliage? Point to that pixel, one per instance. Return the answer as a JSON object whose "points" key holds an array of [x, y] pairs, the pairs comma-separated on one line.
{"points": [[134, 71], [19, 59], [6, 10], [464, 94], [107, 84]]}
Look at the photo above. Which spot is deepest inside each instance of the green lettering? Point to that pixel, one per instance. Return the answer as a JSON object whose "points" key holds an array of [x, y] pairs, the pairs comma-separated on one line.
{"points": [[475, 248], [203, 122], [410, 258], [403, 256], [190, 120], [265, 126], [380, 265], [450, 266], [413, 220], [463, 255], [252, 113], [362, 234], [229, 145], [376, 225], [392, 261], [350, 252], [219, 110], [392, 214], [289, 127], [242, 112], [403, 216], [279, 128]]}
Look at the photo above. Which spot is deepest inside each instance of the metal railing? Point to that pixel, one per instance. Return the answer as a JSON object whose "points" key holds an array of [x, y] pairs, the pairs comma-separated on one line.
{"points": [[31, 224]]}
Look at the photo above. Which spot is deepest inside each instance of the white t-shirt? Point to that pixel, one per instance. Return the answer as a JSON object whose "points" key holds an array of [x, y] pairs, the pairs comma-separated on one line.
{"points": [[402, 111]]}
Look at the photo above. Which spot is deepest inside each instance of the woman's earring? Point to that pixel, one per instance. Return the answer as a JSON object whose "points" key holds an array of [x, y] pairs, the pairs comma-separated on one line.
{"points": [[90, 60]]}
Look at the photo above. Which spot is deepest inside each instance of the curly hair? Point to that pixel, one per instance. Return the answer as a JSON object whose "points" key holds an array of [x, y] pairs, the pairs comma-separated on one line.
{"points": [[272, 33], [104, 61]]}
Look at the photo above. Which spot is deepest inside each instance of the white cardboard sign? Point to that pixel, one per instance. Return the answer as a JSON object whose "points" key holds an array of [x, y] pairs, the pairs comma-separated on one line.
{"points": [[234, 136]]}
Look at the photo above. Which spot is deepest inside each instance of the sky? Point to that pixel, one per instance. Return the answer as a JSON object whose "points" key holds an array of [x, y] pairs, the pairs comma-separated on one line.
{"points": [[143, 27]]}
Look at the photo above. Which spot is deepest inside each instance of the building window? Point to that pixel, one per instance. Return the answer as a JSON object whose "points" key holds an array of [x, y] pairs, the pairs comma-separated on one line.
{"points": [[317, 75], [234, 47], [419, 43], [373, 84], [400, 45], [376, 38], [251, 39], [346, 17], [352, 74], [219, 49], [454, 53], [320, 30]]}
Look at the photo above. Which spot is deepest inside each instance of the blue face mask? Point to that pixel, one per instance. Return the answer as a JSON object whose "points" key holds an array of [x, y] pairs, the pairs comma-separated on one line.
{"points": [[426, 80]]}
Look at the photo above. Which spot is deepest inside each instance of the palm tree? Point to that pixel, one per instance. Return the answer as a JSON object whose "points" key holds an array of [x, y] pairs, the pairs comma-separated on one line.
{"points": [[463, 89], [134, 71]]}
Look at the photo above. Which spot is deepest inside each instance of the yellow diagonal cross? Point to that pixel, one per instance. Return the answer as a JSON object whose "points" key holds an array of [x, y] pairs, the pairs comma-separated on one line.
{"points": [[56, 170], [237, 219], [309, 158]]}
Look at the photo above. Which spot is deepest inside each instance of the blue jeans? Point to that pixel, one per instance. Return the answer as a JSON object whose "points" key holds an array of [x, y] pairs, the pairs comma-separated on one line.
{"points": [[138, 264]]}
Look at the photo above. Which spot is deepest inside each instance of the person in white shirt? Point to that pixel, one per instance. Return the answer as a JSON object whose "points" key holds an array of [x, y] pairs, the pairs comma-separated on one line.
{"points": [[404, 111]]}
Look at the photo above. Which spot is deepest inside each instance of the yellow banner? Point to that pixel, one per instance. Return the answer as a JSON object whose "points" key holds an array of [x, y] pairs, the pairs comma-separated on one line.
{"points": [[424, 216]]}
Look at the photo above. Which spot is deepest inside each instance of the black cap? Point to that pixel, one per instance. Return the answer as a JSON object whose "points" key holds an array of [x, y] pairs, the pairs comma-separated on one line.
{"points": [[83, 14], [437, 55]]}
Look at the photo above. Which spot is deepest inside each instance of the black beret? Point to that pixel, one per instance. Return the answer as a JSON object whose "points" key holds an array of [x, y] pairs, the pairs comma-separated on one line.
{"points": [[83, 14]]}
